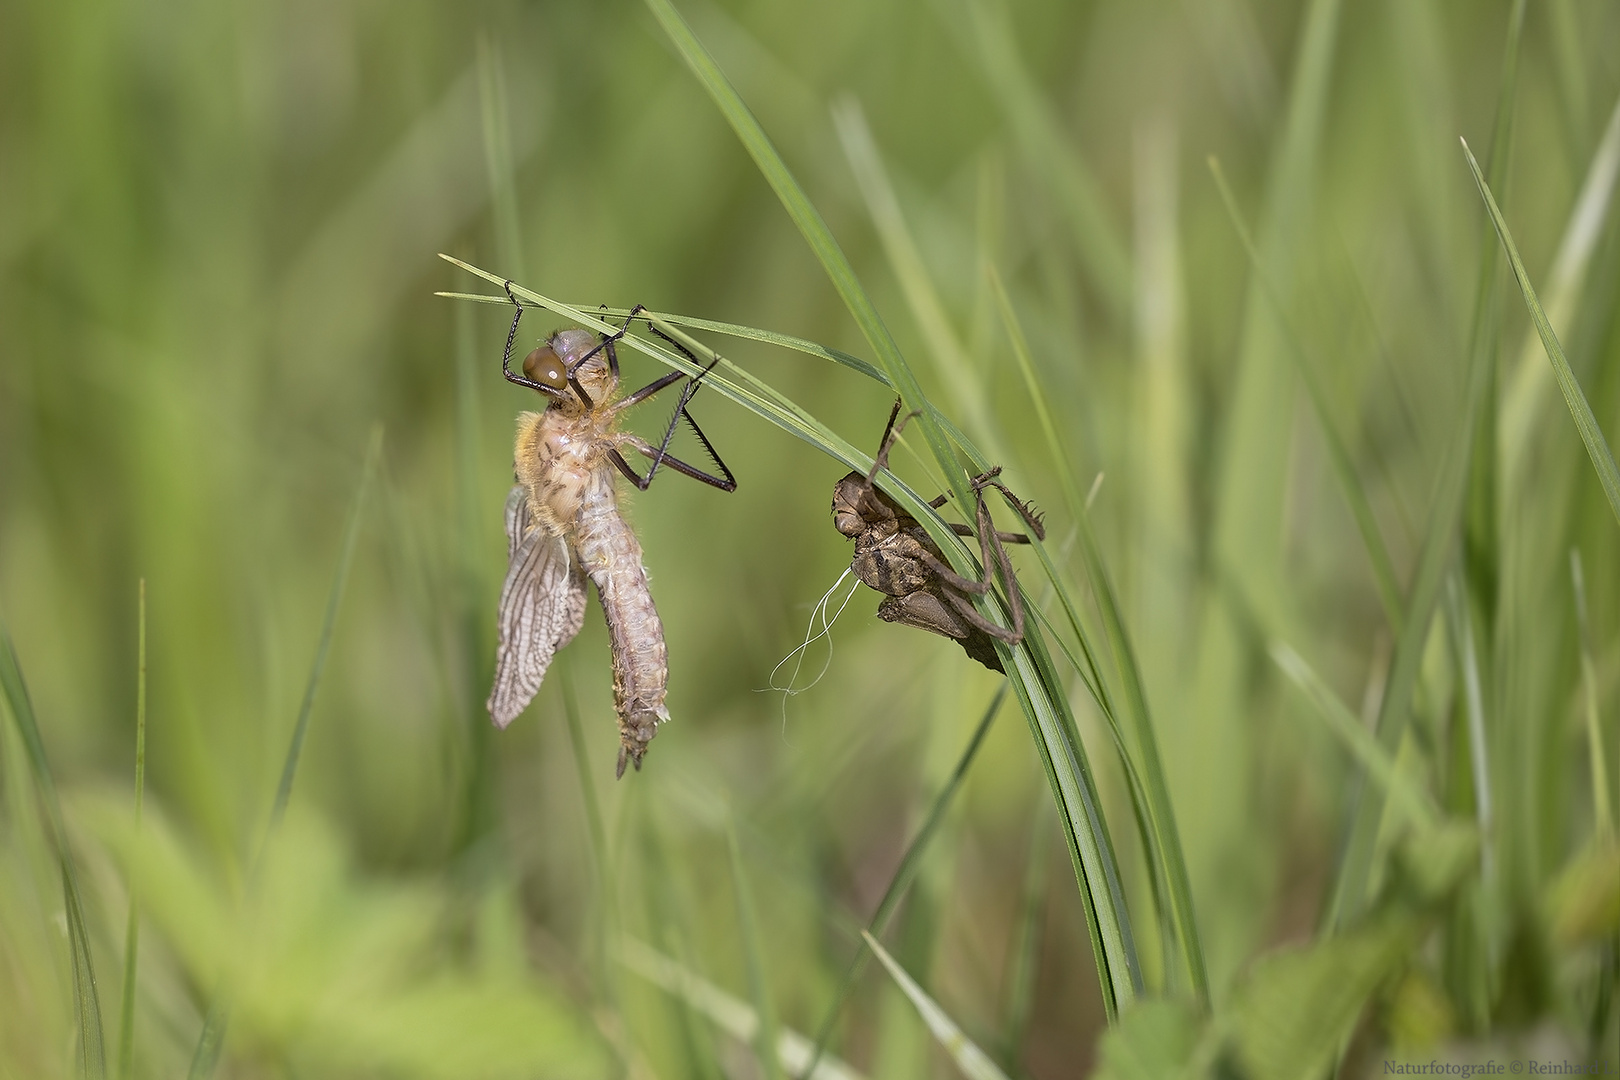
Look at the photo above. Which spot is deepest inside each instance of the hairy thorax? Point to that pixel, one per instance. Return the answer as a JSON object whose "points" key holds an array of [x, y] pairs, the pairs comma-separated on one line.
{"points": [[557, 454]]}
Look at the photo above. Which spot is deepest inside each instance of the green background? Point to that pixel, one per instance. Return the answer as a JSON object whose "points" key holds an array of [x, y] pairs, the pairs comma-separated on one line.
{"points": [[218, 227]]}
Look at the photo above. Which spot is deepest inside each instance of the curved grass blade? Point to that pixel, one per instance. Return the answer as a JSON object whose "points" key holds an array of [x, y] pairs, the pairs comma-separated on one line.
{"points": [[92, 1060], [816, 234], [1151, 790], [972, 1062], [132, 933], [905, 872], [1597, 448], [205, 1057]]}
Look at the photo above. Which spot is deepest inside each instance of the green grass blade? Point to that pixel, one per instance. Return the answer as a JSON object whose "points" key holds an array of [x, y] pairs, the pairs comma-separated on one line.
{"points": [[906, 872], [495, 113], [765, 1035], [1415, 803], [211, 1041], [1051, 155], [972, 1062], [92, 1060], [1026, 938], [730, 1014], [1529, 381], [1602, 802], [132, 939], [927, 309], [1446, 508], [1597, 448], [816, 233], [1344, 470], [1140, 750], [1461, 631], [351, 535]]}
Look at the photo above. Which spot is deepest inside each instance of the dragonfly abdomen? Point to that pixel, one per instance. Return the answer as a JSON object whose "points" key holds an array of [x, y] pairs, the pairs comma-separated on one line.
{"points": [[611, 555]]}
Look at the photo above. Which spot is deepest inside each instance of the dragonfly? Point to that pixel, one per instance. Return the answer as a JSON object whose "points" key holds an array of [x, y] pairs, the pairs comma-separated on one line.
{"points": [[563, 525], [896, 556]]}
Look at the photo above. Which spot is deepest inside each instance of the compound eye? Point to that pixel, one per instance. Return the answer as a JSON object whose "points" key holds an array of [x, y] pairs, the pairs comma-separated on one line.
{"points": [[546, 368]]}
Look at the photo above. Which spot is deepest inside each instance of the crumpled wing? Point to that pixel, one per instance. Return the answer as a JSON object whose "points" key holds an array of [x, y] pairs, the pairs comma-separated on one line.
{"points": [[542, 608]]}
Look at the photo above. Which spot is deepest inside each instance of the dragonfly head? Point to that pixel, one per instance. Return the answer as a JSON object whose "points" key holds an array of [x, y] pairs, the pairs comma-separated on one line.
{"points": [[576, 353]]}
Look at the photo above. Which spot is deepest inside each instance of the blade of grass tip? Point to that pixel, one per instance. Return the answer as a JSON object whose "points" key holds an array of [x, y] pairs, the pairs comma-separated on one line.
{"points": [[132, 940], [821, 241], [1344, 469], [1529, 379], [1597, 448], [1414, 803], [205, 1057], [92, 1061], [905, 872], [1602, 805], [972, 1062], [1446, 508], [765, 1042]]}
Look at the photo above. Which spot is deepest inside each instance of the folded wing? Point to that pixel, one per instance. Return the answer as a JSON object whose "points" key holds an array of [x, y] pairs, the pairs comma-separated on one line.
{"points": [[542, 608]]}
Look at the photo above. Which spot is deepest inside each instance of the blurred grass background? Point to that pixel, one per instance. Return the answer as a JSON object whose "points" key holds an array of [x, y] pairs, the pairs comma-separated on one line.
{"points": [[217, 230]]}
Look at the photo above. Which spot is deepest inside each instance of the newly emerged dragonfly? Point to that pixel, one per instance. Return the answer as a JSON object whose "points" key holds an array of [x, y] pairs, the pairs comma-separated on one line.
{"points": [[563, 524], [896, 556]]}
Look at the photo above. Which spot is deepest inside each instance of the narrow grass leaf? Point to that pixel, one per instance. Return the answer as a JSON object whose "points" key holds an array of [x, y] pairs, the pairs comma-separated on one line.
{"points": [[816, 234], [972, 1062], [1440, 533], [1461, 626], [1344, 470], [91, 1054], [765, 1036], [1414, 803], [1602, 802], [211, 1041], [1026, 937], [906, 261], [906, 871], [132, 932], [495, 113], [732, 1015], [1139, 749], [986, 38], [1528, 382], [1597, 448]]}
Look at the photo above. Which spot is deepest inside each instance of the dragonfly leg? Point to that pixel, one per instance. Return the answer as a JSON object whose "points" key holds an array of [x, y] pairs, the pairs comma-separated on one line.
{"points": [[506, 357]]}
